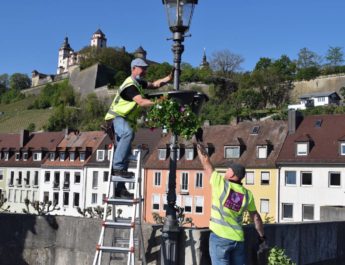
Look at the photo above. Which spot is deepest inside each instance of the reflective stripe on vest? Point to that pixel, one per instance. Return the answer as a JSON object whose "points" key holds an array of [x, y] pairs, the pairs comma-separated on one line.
{"points": [[124, 108], [224, 214]]}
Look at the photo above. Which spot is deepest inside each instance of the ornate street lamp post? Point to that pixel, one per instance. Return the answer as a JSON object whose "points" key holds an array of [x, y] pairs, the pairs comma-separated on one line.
{"points": [[179, 14]]}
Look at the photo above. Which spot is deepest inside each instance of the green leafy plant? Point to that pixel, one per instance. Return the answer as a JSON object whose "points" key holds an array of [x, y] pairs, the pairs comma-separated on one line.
{"points": [[170, 115], [277, 256]]}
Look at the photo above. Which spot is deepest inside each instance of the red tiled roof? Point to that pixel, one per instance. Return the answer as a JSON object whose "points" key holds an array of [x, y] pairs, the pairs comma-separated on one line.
{"points": [[325, 141], [216, 137]]}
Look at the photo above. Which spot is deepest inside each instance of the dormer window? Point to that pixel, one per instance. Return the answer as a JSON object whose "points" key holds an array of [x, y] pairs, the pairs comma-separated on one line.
{"points": [[17, 156], [178, 152], [342, 149], [302, 149], [100, 155], [232, 151], [82, 156], [52, 156], [37, 156], [162, 154], [25, 156], [72, 156], [261, 151], [7, 154], [62, 156], [189, 153]]}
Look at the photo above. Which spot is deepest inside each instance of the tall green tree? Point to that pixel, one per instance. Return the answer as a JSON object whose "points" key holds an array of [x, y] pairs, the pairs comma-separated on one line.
{"points": [[308, 58], [335, 56], [19, 81]]}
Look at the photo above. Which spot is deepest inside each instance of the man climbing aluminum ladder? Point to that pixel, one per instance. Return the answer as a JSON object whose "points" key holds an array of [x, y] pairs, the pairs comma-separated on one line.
{"points": [[114, 222]]}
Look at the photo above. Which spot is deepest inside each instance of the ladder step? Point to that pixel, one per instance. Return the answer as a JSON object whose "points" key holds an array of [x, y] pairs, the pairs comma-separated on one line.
{"points": [[121, 179], [121, 201], [115, 249], [113, 224]]}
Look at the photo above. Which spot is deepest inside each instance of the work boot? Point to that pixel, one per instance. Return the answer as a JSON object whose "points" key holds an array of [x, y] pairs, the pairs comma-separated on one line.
{"points": [[122, 173], [124, 194]]}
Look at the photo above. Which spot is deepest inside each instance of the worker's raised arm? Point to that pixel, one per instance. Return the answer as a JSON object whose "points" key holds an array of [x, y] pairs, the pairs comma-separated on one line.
{"points": [[161, 82], [205, 160]]}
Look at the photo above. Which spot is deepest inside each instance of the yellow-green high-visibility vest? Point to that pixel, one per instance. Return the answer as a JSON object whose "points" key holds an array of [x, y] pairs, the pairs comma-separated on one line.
{"points": [[229, 201], [127, 109]]}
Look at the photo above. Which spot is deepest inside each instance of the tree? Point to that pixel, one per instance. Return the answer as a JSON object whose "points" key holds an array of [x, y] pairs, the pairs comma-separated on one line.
{"points": [[225, 62], [4, 83], [335, 56], [307, 58], [19, 81]]}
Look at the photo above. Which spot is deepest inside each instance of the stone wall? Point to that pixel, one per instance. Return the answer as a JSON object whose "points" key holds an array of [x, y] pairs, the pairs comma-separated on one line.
{"points": [[61, 240]]}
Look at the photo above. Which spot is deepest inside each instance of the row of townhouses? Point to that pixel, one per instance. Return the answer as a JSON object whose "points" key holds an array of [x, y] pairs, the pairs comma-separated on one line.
{"points": [[294, 168]]}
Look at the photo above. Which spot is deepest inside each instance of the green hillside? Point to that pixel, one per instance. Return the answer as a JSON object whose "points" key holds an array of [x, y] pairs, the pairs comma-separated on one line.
{"points": [[16, 116]]}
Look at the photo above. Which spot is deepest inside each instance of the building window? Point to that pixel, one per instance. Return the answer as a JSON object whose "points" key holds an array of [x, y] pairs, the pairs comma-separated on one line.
{"points": [[262, 152], [198, 180], [37, 156], [27, 179], [46, 196], [158, 177], [290, 177], [287, 210], [105, 176], [62, 156], [65, 198], [82, 156], [66, 180], [52, 156], [342, 149], [100, 155], [199, 204], [187, 203], [19, 179], [25, 156], [94, 198], [36, 178], [165, 202], [308, 212], [109, 155], [306, 179], [7, 156], [302, 149], [77, 177], [184, 182], [46, 176], [334, 179], [231, 151], [72, 156], [17, 156], [75, 199], [1, 174], [56, 183], [162, 154], [11, 179], [9, 196], [55, 198], [155, 202], [264, 206], [189, 154], [94, 179], [250, 178], [265, 178]]}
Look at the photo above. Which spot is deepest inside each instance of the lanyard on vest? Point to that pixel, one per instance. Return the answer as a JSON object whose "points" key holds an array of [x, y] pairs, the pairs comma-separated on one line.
{"points": [[223, 214]]}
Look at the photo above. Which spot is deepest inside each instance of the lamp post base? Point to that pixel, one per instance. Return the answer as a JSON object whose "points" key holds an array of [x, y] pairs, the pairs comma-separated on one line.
{"points": [[170, 239]]}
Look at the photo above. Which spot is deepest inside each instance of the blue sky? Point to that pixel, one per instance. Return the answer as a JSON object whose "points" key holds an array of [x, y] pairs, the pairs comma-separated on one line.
{"points": [[32, 31]]}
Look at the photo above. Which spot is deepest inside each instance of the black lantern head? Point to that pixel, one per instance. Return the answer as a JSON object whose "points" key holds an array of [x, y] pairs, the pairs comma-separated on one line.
{"points": [[180, 14]]}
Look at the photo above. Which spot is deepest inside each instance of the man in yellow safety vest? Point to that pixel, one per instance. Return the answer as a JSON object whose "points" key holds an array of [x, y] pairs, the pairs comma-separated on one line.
{"points": [[124, 112], [229, 200]]}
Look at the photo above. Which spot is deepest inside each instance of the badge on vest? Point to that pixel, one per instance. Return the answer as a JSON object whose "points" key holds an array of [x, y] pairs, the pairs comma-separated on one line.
{"points": [[234, 201]]}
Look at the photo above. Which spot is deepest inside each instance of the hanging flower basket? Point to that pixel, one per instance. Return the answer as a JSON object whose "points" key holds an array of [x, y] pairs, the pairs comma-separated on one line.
{"points": [[173, 116]]}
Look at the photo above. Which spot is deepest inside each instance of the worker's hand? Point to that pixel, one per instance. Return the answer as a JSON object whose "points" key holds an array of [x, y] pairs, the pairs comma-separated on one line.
{"points": [[201, 149], [262, 243]]}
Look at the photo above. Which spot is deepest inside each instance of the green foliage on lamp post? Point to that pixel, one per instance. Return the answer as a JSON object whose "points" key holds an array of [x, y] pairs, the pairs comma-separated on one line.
{"points": [[175, 118]]}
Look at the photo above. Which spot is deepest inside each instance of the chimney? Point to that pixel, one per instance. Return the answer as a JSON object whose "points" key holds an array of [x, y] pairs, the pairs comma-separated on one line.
{"points": [[294, 119], [24, 137]]}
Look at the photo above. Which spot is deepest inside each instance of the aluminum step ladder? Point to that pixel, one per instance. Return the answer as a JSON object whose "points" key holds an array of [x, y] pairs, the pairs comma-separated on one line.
{"points": [[112, 223]]}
